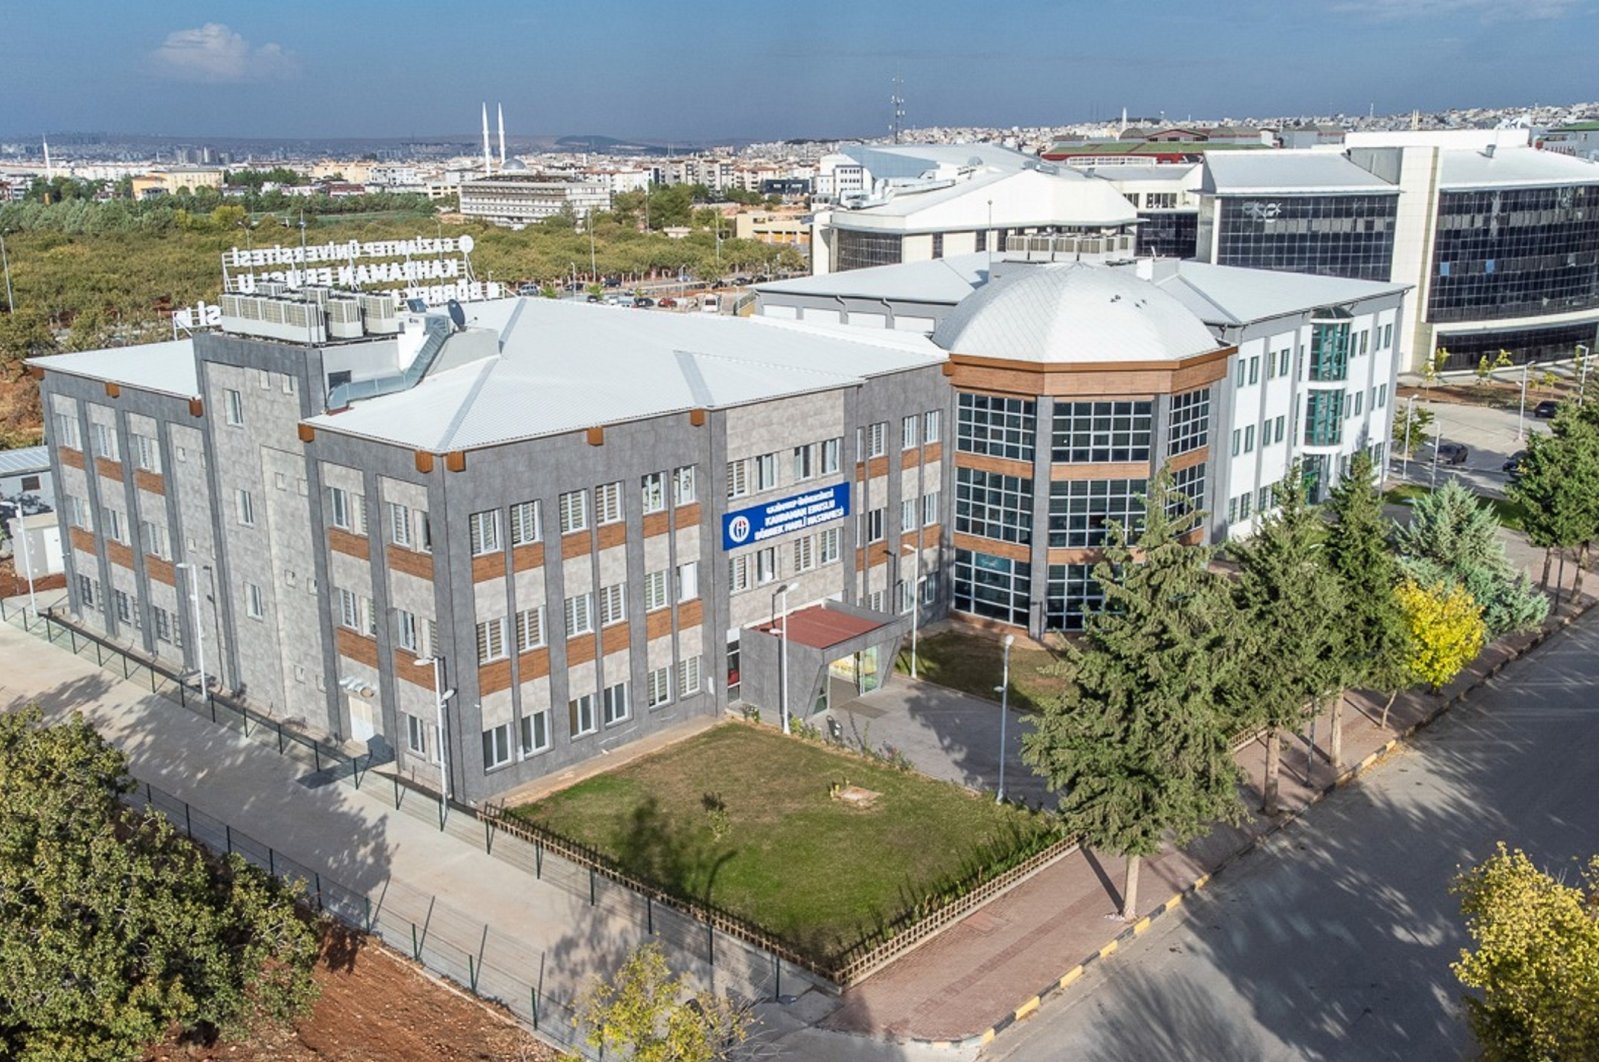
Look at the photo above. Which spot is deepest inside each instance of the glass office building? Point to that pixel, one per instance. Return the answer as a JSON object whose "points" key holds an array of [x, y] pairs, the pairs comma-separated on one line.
{"points": [[1168, 233], [1333, 235]]}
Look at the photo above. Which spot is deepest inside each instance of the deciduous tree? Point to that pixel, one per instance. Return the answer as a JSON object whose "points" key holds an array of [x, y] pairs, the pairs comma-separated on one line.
{"points": [[1138, 747], [1446, 630], [647, 1013]]}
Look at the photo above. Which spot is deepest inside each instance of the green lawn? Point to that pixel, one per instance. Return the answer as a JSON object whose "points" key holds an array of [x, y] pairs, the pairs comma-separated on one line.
{"points": [[970, 661], [1510, 513], [814, 871]]}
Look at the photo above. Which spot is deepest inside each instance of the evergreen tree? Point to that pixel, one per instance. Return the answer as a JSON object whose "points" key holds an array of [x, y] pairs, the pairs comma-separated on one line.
{"points": [[1558, 486], [1293, 603], [1373, 627], [1138, 747]]}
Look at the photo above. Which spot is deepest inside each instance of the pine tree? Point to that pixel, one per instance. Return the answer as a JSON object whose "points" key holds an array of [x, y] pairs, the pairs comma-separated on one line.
{"points": [[1558, 486], [1293, 603], [1138, 747], [1373, 627]]}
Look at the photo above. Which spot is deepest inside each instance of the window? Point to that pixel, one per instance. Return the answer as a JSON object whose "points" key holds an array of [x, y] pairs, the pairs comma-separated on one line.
{"points": [[339, 514], [997, 427], [994, 587], [124, 606], [105, 441], [405, 630], [526, 527], [1387, 336], [1254, 369], [766, 564], [991, 505], [1071, 593], [607, 503], [86, 591], [613, 604], [875, 531], [580, 714], [1189, 422], [738, 573], [1249, 439], [688, 581], [574, 511], [246, 507], [1382, 394], [907, 514], [655, 591], [830, 451], [827, 546], [1190, 484], [1284, 357], [804, 554], [1239, 368], [491, 640], [659, 687], [805, 462], [166, 626], [652, 492], [1279, 424], [112, 521], [66, 426], [485, 532], [1080, 509], [1359, 396], [530, 629], [613, 703], [254, 605], [1327, 234], [688, 676], [877, 439], [232, 407], [400, 531], [496, 746], [1101, 432], [1329, 351], [579, 615], [146, 453], [910, 434], [535, 733], [766, 472], [683, 485], [349, 610], [78, 513], [938, 245], [1323, 422], [738, 483], [417, 732], [930, 507], [932, 422], [154, 537]]}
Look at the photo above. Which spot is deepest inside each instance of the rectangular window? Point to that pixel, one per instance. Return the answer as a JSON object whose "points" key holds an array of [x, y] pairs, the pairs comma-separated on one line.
{"points": [[910, 434], [485, 532], [660, 686], [1281, 425], [1284, 357], [877, 439], [154, 538], [66, 426], [830, 458], [992, 587], [163, 624], [804, 554], [688, 676], [123, 604], [1189, 422], [875, 530], [580, 715], [1359, 397], [146, 453], [417, 732], [804, 462], [1081, 509], [907, 515], [766, 472], [1238, 374], [991, 505], [86, 591], [339, 508], [688, 581], [932, 424], [930, 506], [738, 573], [491, 640], [1238, 437], [607, 503], [405, 630], [579, 615], [766, 564], [254, 604], [655, 591], [613, 703], [112, 521], [349, 610], [526, 527], [683, 485], [400, 530], [1249, 439], [496, 746], [1101, 432], [1254, 369], [738, 483], [652, 492], [613, 604], [994, 426], [530, 629], [535, 733], [246, 508], [827, 546], [574, 511], [233, 407], [1382, 395]]}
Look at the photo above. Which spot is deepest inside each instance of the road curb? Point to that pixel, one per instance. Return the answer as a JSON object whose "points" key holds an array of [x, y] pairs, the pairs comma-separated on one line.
{"points": [[1138, 928]]}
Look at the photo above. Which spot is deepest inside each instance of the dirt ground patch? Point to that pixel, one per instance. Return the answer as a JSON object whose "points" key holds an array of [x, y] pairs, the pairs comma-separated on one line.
{"points": [[12, 586], [375, 1005]]}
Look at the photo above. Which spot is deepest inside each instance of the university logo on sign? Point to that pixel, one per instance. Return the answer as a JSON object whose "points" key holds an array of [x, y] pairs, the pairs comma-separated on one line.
{"points": [[745, 527], [738, 529]]}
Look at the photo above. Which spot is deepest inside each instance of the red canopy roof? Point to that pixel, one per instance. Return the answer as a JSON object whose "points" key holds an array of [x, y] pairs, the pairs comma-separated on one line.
{"points": [[822, 628]]}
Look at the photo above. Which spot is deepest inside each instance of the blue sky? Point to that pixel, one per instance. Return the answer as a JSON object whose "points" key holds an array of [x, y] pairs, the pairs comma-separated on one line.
{"points": [[820, 68]]}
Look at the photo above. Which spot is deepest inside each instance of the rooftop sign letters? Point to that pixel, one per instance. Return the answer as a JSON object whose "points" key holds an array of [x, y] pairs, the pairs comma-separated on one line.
{"points": [[427, 268], [746, 527]]}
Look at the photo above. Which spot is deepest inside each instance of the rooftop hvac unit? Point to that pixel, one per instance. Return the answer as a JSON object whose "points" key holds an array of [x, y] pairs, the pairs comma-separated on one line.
{"points": [[319, 296], [380, 313], [344, 318], [271, 288]]}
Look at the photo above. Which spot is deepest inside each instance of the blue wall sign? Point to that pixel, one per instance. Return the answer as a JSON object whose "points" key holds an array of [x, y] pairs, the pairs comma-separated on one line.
{"points": [[746, 527]]}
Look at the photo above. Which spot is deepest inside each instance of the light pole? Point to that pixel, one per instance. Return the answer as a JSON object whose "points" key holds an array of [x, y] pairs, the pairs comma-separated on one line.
{"points": [[588, 223], [916, 596], [1583, 350], [1410, 429], [1437, 443], [1003, 689], [1521, 414], [27, 558], [199, 632], [440, 695], [5, 264], [782, 655]]}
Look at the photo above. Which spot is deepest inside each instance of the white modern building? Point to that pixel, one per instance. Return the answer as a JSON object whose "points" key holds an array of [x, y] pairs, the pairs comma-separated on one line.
{"points": [[516, 197]]}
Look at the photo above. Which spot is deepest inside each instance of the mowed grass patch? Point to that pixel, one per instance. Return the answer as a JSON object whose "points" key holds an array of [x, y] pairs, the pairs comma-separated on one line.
{"points": [[973, 663], [743, 818]]}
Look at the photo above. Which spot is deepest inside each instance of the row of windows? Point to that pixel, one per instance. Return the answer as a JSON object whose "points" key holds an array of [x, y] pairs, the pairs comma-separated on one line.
{"points": [[573, 510], [1327, 235], [126, 608], [1101, 432], [992, 505], [1083, 432], [764, 565]]}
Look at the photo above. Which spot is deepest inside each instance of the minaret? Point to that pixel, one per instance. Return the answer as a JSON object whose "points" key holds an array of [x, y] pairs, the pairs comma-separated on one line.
{"points": [[500, 108], [488, 162], [49, 173]]}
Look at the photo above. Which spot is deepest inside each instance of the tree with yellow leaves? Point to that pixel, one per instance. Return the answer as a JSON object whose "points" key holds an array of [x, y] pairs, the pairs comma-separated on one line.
{"points": [[646, 1014], [1446, 630], [1536, 962]]}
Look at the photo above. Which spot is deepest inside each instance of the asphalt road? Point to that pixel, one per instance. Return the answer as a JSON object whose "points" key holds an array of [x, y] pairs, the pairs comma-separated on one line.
{"points": [[1335, 941]]}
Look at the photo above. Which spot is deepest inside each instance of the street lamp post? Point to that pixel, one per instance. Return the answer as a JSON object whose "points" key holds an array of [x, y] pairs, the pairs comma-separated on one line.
{"points": [[199, 632], [440, 695], [782, 653], [1003, 689], [916, 597], [27, 558], [1410, 429], [1438, 439], [1583, 350], [1521, 414]]}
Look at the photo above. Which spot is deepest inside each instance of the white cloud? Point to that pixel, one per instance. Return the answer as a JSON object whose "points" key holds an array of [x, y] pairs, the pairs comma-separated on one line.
{"points": [[1485, 10], [214, 54]]}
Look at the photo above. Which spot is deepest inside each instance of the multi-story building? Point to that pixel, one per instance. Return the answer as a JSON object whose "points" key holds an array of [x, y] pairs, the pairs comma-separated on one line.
{"points": [[516, 197], [176, 179]]}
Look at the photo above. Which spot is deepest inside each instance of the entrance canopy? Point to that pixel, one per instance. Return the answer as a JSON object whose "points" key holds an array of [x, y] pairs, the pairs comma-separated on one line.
{"points": [[820, 627], [817, 636]]}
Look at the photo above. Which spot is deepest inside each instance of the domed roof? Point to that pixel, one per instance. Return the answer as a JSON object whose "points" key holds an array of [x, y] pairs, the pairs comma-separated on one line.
{"points": [[514, 164], [1073, 312]]}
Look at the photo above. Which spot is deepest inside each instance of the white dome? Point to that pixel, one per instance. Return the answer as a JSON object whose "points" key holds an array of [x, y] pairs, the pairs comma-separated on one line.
{"points": [[1072, 312]]}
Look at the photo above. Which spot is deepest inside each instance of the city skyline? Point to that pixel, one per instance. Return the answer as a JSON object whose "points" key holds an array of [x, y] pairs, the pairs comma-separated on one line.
{"points": [[402, 72]]}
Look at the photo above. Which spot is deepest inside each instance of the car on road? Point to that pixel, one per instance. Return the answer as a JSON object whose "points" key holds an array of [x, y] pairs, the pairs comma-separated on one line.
{"points": [[1451, 453], [527, 289], [666, 302], [642, 302], [593, 297], [1546, 409]]}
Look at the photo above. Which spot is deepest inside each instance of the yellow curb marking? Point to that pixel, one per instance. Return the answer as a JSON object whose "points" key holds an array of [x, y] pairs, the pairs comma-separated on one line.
{"points": [[1140, 925], [988, 1035], [1175, 902], [1199, 882], [1071, 975], [1108, 950], [1026, 1008]]}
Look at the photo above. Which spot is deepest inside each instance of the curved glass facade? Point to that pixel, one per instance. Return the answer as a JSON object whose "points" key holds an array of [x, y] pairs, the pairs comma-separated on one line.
{"points": [[1328, 235], [1515, 252]]}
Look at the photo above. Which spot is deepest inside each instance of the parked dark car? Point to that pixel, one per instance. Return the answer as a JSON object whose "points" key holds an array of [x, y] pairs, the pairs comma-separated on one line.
{"points": [[1546, 409], [643, 302], [1450, 453], [1512, 465], [593, 297]]}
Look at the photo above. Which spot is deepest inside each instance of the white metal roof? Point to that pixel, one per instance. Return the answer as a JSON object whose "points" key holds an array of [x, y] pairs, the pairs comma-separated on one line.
{"points": [[1513, 168], [1288, 173], [1016, 199], [940, 280], [567, 366], [24, 459], [1074, 313], [167, 367], [1234, 296]]}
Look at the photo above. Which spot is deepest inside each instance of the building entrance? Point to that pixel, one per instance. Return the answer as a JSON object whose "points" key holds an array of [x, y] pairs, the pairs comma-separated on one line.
{"points": [[849, 677]]}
